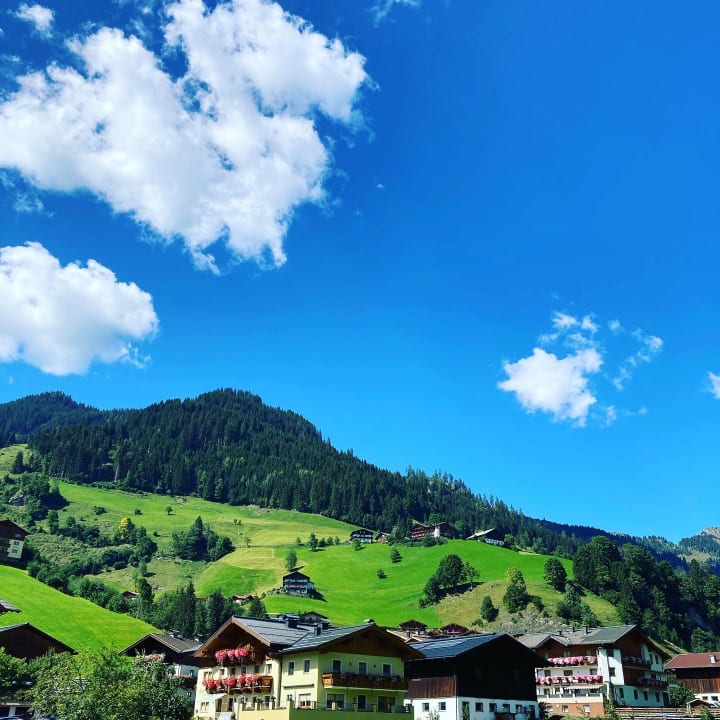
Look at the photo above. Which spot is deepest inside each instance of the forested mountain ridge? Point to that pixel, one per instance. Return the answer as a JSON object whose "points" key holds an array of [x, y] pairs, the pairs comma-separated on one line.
{"points": [[228, 446]]}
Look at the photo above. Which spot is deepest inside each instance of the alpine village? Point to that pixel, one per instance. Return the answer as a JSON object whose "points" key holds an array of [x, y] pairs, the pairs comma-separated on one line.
{"points": [[215, 558]]}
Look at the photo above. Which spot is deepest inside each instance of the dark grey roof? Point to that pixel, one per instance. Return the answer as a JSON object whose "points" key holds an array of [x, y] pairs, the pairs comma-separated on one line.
{"points": [[172, 642], [452, 647], [312, 640], [275, 632], [584, 636]]}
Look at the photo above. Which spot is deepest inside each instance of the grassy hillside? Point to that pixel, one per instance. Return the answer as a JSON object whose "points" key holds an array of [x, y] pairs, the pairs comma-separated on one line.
{"points": [[346, 578], [78, 623]]}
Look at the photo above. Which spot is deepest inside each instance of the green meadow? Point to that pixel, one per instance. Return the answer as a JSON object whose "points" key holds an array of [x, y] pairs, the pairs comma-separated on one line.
{"points": [[76, 622], [346, 579]]}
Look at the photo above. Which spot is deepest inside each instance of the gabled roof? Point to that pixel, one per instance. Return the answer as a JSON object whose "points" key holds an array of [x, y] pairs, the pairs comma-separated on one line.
{"points": [[28, 642], [12, 526], [5, 606], [273, 634], [171, 642], [295, 575], [695, 660], [588, 636], [315, 640]]}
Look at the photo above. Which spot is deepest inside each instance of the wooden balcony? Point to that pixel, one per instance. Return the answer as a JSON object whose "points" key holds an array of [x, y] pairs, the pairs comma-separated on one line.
{"points": [[357, 680]]}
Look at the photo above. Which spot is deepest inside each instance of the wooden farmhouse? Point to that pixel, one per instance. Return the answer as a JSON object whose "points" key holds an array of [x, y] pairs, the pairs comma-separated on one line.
{"points": [[296, 583], [12, 539], [28, 642], [477, 677], [437, 530], [362, 535], [699, 673], [493, 536]]}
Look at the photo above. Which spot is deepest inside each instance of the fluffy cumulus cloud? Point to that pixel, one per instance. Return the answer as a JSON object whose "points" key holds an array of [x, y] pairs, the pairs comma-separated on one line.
{"points": [[225, 152], [62, 318], [558, 386], [38, 15], [566, 383]]}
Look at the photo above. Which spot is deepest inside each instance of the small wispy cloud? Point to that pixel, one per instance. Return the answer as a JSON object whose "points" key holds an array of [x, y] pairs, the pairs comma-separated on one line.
{"points": [[382, 8], [714, 385], [38, 15], [566, 383]]}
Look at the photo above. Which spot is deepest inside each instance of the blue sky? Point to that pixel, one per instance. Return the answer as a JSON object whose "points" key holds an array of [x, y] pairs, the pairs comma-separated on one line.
{"points": [[479, 237]]}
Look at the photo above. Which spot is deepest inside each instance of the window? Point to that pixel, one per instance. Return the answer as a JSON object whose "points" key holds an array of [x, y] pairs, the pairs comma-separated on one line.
{"points": [[304, 700], [335, 699], [306, 666], [612, 672], [493, 707], [565, 708], [385, 704], [621, 692], [337, 666], [387, 669], [441, 706], [506, 707], [546, 673], [426, 707], [518, 708], [657, 697], [635, 694], [479, 707], [465, 710], [362, 668], [593, 671], [291, 667], [362, 702], [645, 695], [567, 673], [586, 708]]}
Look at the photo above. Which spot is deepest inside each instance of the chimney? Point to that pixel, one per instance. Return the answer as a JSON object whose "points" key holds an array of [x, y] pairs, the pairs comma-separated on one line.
{"points": [[291, 621], [318, 629], [713, 659]]}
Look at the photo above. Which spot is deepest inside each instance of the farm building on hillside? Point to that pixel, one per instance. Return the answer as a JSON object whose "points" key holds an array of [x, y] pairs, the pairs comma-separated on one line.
{"points": [[296, 583], [12, 539], [436, 530], [492, 537], [362, 535]]}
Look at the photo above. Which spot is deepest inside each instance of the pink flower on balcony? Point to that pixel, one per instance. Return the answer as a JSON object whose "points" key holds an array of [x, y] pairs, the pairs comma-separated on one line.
{"points": [[221, 655]]}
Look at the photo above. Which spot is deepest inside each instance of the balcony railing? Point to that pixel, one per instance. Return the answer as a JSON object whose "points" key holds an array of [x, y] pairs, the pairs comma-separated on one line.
{"points": [[638, 661], [652, 682], [359, 680]]}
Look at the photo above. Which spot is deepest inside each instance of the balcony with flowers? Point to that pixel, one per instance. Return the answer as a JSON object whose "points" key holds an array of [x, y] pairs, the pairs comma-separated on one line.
{"points": [[573, 660], [579, 679], [243, 655], [249, 683]]}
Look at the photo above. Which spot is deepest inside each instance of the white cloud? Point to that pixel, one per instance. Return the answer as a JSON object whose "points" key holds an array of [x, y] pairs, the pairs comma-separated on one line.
{"points": [[650, 345], [382, 8], [558, 386], [714, 385], [40, 16], [60, 319], [225, 152], [559, 381]]}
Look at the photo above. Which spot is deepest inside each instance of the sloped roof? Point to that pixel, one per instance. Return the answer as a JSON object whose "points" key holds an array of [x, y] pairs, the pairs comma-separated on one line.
{"points": [[327, 637], [584, 636], [695, 660], [5, 606], [172, 642], [26, 641], [452, 647], [295, 575]]}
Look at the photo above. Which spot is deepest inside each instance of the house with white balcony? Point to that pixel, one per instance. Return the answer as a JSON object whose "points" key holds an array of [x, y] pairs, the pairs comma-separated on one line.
{"points": [[591, 665], [283, 669]]}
